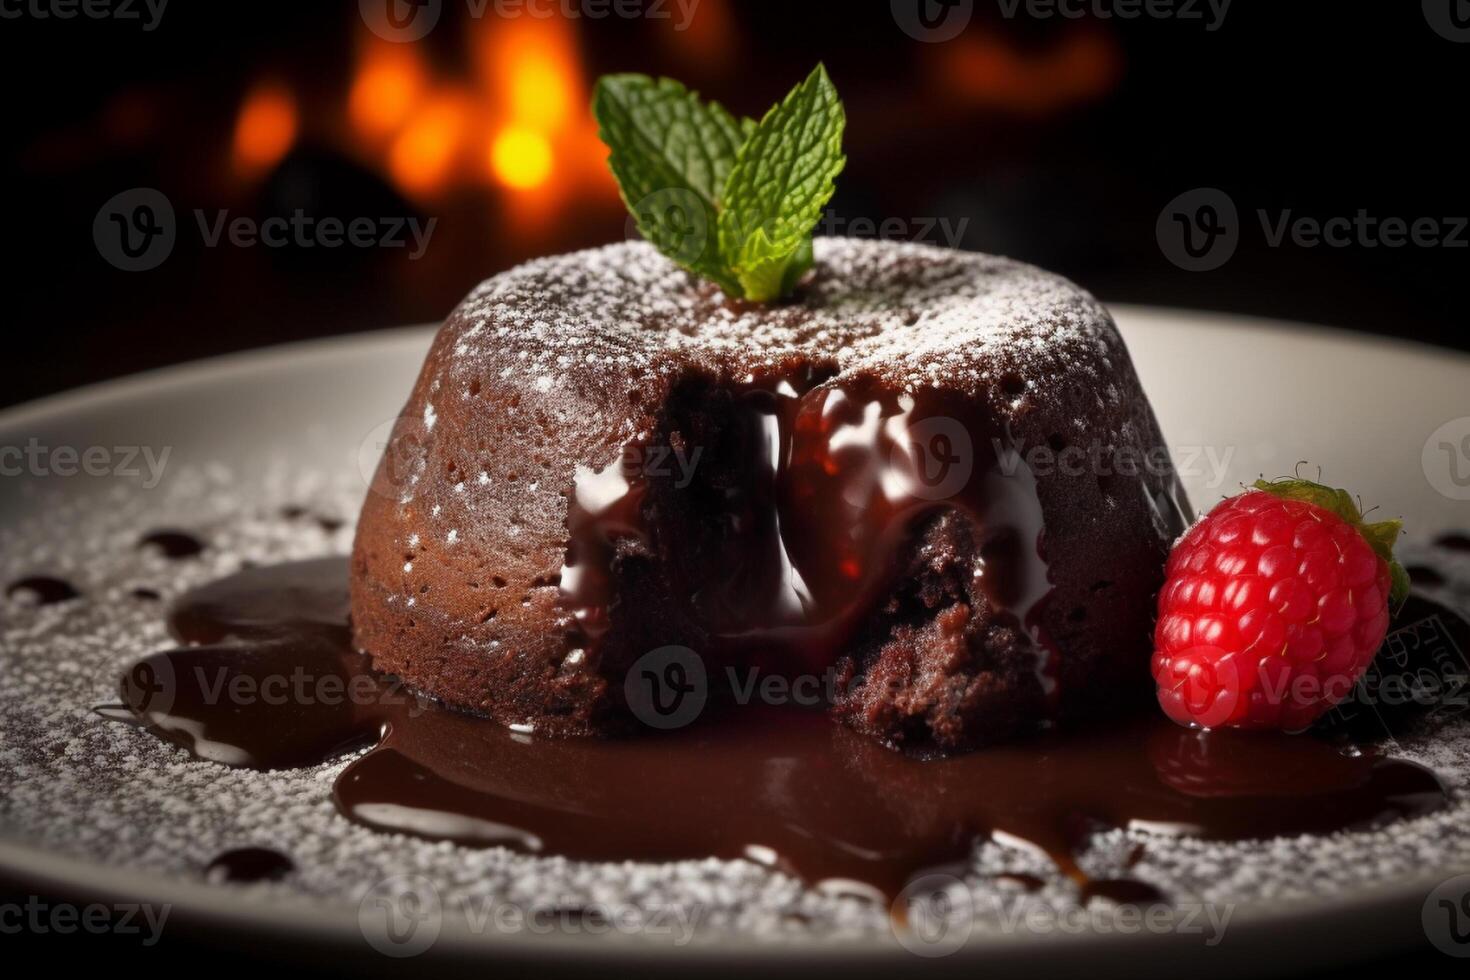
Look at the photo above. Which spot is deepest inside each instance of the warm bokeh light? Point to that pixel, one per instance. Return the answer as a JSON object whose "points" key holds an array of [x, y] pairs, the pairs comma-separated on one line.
{"points": [[265, 129], [424, 153], [390, 81], [521, 158], [987, 70], [708, 38], [540, 90], [521, 124]]}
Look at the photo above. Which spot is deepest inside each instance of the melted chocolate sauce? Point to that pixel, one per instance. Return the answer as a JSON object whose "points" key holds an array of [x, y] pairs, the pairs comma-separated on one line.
{"points": [[1424, 575], [247, 865], [42, 590], [807, 495], [270, 680], [173, 544], [1454, 541]]}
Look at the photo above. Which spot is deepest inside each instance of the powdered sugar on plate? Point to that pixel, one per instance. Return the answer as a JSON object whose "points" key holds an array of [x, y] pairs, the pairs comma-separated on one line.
{"points": [[78, 785]]}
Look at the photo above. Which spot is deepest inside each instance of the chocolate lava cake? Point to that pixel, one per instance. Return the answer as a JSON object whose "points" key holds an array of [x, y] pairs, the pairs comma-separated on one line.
{"points": [[929, 478]]}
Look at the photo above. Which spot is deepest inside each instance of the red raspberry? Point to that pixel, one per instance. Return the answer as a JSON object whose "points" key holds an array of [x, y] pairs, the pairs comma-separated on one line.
{"points": [[1273, 606]]}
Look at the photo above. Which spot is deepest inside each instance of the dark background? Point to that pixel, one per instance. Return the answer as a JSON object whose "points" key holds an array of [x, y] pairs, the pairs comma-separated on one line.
{"points": [[1056, 140]]}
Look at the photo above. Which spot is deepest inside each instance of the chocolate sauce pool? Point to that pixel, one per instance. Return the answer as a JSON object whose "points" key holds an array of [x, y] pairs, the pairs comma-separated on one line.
{"points": [[267, 679]]}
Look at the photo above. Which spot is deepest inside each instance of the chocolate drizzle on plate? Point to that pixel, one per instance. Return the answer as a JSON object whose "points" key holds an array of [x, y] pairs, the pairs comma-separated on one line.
{"points": [[172, 544], [42, 590], [267, 679], [248, 865], [1454, 541]]}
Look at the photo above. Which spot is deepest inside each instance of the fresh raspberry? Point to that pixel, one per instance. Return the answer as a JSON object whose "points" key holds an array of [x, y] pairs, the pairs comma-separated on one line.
{"points": [[1273, 606]]}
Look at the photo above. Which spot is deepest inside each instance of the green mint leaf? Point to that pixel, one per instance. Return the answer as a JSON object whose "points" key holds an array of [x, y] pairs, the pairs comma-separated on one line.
{"points": [[782, 179], [672, 154]]}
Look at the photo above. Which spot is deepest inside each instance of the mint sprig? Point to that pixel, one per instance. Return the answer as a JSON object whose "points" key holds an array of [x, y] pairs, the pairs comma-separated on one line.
{"points": [[727, 198]]}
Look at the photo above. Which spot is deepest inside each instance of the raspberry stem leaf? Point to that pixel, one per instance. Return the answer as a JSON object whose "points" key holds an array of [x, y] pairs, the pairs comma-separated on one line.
{"points": [[1381, 535]]}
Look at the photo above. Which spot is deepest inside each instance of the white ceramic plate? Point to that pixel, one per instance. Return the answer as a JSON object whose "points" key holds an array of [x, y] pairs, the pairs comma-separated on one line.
{"points": [[1237, 398]]}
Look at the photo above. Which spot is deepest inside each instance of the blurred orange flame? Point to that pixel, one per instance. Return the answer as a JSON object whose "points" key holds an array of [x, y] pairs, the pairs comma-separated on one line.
{"points": [[987, 71], [424, 152], [390, 81], [522, 122], [531, 74], [265, 129]]}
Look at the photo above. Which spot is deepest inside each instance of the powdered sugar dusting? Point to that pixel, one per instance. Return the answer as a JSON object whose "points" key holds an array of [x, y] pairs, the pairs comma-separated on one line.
{"points": [[76, 784], [918, 315]]}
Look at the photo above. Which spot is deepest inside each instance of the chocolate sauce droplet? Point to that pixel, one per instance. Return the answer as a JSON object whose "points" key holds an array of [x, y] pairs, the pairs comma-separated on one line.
{"points": [[1454, 541], [270, 680], [1424, 575], [146, 595], [247, 865], [173, 544], [1121, 891], [326, 522], [42, 590]]}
